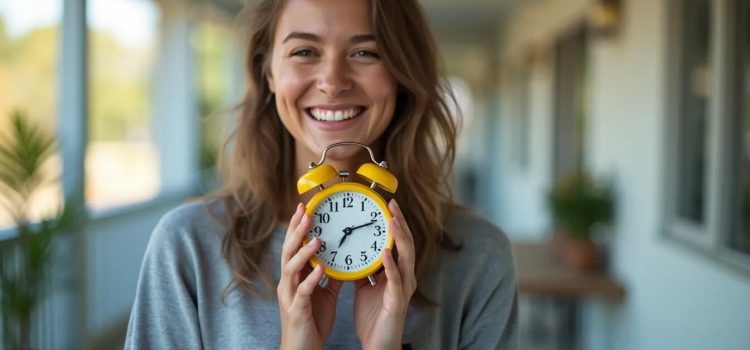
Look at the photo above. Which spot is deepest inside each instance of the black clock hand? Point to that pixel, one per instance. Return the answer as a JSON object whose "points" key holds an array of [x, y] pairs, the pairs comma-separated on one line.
{"points": [[360, 226], [347, 232]]}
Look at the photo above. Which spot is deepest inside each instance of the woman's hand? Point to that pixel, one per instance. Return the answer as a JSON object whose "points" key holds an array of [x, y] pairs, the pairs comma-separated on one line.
{"points": [[380, 310], [307, 312]]}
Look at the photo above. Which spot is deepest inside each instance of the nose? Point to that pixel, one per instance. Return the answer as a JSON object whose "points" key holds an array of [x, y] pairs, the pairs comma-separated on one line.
{"points": [[334, 77]]}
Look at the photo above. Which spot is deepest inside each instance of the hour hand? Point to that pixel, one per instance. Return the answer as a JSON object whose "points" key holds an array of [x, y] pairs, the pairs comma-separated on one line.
{"points": [[347, 232]]}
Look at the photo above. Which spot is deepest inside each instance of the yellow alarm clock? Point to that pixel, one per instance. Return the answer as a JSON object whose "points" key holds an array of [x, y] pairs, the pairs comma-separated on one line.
{"points": [[349, 218]]}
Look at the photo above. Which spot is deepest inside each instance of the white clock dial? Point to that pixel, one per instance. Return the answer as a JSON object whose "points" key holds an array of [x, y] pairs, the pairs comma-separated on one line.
{"points": [[352, 230]]}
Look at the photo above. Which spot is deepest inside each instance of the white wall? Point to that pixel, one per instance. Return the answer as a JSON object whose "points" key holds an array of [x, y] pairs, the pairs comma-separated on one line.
{"points": [[676, 297], [115, 246], [520, 206]]}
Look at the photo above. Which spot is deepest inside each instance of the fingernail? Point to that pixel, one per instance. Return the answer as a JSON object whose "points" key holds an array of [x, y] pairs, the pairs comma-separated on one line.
{"points": [[305, 219], [312, 242], [396, 204], [299, 208], [396, 221]]}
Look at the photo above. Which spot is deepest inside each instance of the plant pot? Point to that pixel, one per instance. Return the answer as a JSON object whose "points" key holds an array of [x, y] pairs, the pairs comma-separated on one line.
{"points": [[579, 255]]}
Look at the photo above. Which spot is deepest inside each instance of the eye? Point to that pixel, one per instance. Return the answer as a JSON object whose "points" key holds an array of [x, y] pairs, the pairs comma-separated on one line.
{"points": [[366, 53], [303, 53]]}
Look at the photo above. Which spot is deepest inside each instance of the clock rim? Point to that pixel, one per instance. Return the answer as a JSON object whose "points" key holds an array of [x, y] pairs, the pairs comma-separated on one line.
{"points": [[379, 201]]}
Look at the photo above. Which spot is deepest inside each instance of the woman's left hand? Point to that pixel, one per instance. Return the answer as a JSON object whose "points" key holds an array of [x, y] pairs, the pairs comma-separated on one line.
{"points": [[380, 310]]}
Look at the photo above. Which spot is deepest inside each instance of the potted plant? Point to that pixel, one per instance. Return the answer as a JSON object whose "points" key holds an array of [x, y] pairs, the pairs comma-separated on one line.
{"points": [[26, 259], [578, 204]]}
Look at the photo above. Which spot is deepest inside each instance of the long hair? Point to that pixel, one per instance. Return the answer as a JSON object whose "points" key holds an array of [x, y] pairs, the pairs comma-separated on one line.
{"points": [[257, 162]]}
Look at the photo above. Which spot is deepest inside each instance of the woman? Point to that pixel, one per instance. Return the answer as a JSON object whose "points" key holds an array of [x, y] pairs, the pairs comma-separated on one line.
{"points": [[234, 274]]}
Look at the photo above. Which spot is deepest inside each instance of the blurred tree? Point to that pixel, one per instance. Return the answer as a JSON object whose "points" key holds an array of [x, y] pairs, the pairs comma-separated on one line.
{"points": [[119, 89], [28, 72], [213, 51]]}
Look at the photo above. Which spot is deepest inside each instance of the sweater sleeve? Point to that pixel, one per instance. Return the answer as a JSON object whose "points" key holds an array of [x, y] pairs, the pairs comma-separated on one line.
{"points": [[164, 314], [492, 320]]}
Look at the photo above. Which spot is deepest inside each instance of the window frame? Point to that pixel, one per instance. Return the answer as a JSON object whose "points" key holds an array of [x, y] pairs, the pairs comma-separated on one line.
{"points": [[571, 82], [712, 238]]}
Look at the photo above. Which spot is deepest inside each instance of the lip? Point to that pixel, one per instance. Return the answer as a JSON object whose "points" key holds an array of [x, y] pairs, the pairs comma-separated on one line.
{"points": [[335, 126]]}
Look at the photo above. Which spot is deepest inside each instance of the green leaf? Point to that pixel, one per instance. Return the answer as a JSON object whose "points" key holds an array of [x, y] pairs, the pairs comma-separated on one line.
{"points": [[26, 260]]}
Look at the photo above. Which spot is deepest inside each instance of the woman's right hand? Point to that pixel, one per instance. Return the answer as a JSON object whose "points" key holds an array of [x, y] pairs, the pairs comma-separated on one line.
{"points": [[307, 312]]}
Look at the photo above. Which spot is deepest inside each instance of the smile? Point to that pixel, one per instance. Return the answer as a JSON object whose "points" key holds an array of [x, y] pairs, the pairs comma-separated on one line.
{"points": [[334, 115]]}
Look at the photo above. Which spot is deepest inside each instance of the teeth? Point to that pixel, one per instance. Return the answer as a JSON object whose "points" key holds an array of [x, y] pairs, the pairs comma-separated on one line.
{"points": [[330, 116]]}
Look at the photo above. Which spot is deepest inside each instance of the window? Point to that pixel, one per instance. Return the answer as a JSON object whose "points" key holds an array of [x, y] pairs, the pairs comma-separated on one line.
{"points": [[740, 237], [28, 78], [693, 106], [709, 162], [518, 76], [571, 81], [122, 162], [213, 43]]}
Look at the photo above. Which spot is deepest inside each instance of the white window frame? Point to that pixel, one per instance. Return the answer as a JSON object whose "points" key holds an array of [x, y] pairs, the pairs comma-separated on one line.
{"points": [[711, 238]]}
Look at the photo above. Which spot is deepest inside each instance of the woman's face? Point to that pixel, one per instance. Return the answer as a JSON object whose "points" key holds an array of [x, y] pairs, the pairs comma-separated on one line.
{"points": [[329, 81]]}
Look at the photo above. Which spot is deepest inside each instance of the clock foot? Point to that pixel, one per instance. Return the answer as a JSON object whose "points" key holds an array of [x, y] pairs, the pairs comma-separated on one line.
{"points": [[371, 279], [323, 282]]}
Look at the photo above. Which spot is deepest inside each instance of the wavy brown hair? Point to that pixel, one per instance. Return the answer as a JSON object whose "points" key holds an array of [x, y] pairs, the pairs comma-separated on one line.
{"points": [[258, 163]]}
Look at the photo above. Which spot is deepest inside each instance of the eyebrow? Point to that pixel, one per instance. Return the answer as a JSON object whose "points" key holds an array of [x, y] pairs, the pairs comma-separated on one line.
{"points": [[357, 39]]}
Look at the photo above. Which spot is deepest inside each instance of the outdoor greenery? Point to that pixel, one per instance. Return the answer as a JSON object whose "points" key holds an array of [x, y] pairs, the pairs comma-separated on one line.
{"points": [[26, 261], [28, 68], [119, 81], [578, 202], [213, 50]]}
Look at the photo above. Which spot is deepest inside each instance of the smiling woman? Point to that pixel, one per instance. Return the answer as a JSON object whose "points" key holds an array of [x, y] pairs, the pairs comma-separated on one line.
{"points": [[320, 72], [320, 76]]}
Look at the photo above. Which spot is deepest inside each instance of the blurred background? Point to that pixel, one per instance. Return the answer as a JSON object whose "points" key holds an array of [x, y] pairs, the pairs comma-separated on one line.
{"points": [[610, 139]]}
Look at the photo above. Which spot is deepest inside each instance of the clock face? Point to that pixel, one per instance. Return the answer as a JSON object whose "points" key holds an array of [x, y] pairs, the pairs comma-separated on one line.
{"points": [[352, 229]]}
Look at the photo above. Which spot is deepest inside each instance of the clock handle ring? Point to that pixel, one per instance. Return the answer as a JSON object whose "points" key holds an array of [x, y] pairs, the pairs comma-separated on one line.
{"points": [[348, 143]]}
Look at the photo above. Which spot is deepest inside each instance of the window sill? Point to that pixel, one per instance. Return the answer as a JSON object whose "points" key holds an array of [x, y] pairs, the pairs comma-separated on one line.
{"points": [[163, 199], [728, 258]]}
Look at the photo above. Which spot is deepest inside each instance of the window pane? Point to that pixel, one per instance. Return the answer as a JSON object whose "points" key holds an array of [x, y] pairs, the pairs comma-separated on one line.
{"points": [[122, 164], [212, 43], [695, 80], [28, 78], [741, 236], [571, 81]]}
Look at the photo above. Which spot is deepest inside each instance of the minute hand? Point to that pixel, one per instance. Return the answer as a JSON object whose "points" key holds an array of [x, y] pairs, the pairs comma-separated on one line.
{"points": [[360, 226], [349, 230]]}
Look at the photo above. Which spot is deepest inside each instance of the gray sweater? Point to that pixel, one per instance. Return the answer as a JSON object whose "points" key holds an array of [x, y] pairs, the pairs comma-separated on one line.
{"points": [[178, 302]]}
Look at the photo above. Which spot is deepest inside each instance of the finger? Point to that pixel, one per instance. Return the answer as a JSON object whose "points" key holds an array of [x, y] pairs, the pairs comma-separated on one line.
{"points": [[295, 237], [391, 272], [287, 249], [298, 262], [404, 246], [397, 213], [306, 288], [406, 255], [291, 271]]}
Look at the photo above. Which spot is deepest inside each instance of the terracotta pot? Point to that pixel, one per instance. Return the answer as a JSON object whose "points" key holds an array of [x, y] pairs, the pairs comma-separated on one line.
{"points": [[577, 254]]}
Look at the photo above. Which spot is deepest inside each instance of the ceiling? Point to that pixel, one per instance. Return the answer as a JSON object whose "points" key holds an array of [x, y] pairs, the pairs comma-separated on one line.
{"points": [[440, 11], [455, 23]]}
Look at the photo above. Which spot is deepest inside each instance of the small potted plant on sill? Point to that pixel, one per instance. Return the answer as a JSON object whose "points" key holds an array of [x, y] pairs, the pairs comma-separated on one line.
{"points": [[578, 204]]}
